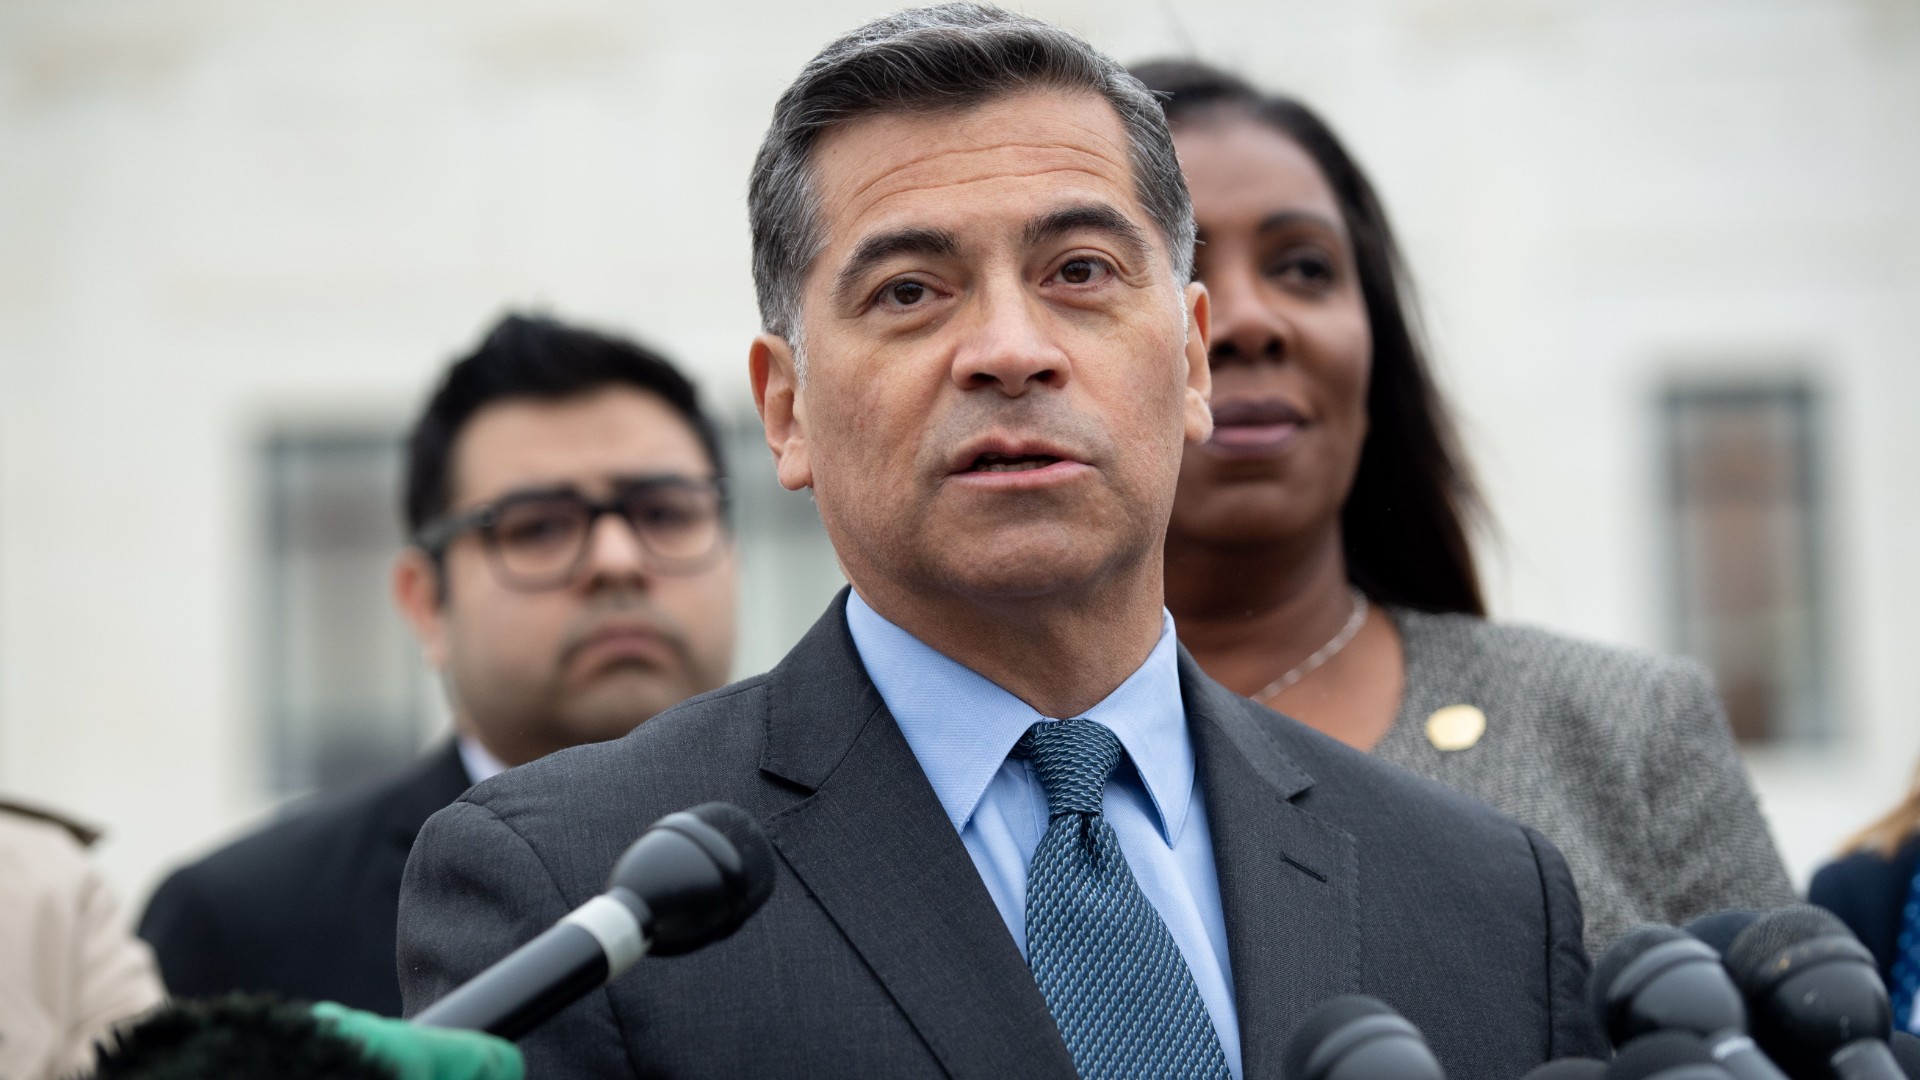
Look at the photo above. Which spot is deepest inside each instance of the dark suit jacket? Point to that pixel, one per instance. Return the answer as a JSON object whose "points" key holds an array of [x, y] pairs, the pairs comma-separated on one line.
{"points": [[304, 907], [1869, 893], [880, 952]]}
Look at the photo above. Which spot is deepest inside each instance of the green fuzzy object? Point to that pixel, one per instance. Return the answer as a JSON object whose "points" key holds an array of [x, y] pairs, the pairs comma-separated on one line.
{"points": [[425, 1053], [255, 1037], [238, 1037]]}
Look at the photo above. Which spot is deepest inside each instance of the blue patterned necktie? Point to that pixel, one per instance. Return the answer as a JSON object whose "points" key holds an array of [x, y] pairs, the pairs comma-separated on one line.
{"points": [[1112, 976]]}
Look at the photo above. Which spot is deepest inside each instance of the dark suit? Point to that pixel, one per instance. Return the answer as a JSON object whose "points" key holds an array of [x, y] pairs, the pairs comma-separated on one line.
{"points": [[304, 907], [1869, 893], [881, 954]]}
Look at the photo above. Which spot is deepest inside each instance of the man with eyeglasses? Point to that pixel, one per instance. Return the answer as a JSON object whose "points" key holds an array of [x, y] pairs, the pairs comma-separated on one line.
{"points": [[571, 574]]}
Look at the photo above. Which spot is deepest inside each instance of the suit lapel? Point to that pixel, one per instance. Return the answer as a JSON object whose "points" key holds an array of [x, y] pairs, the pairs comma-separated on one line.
{"points": [[872, 845], [1288, 882]]}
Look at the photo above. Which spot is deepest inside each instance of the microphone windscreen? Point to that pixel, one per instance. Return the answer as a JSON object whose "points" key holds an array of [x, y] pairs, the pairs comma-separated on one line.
{"points": [[1680, 1053], [1720, 928], [756, 855], [1332, 1015], [1750, 957], [1906, 1050], [1625, 949], [1569, 1069], [237, 1037]]}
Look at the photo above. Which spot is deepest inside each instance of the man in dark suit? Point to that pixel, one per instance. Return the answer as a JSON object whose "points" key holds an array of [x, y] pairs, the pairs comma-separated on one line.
{"points": [[1018, 832], [570, 576]]}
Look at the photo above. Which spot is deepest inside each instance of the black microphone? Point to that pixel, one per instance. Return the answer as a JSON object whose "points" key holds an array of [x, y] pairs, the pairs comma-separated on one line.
{"points": [[1720, 928], [1355, 1037], [1569, 1069], [691, 879], [1666, 1055], [1656, 978], [1818, 1005], [1906, 1052]]}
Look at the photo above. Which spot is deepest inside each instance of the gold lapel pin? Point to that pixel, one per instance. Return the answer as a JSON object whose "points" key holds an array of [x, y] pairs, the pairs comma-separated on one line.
{"points": [[1456, 727]]}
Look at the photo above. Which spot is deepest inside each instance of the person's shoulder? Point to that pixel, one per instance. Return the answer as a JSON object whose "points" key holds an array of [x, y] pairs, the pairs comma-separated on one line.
{"points": [[329, 829], [576, 809], [1853, 876], [1526, 649], [1563, 675], [707, 747], [39, 846]]}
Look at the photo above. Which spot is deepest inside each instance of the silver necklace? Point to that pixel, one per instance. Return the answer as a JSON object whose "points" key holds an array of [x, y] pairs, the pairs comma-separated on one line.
{"points": [[1324, 653]]}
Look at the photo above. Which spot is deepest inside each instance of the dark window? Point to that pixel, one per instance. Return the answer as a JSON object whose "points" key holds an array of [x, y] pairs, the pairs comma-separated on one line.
{"points": [[1746, 544], [346, 692]]}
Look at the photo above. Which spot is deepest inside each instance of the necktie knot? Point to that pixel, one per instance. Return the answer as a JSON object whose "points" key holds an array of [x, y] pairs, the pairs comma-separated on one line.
{"points": [[1072, 759]]}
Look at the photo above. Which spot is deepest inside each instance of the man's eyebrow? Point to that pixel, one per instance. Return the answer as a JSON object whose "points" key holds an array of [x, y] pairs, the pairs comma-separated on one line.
{"points": [[880, 247], [1093, 217], [534, 491]]}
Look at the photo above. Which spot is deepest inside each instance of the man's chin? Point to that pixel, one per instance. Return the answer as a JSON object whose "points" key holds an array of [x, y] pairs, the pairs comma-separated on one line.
{"points": [[617, 700], [1015, 564]]}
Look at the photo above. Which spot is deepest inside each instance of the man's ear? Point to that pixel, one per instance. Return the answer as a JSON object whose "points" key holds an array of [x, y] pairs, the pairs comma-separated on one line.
{"points": [[1199, 414], [419, 596], [783, 408]]}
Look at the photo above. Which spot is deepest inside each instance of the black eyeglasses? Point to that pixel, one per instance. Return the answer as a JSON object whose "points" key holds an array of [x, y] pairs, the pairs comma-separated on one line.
{"points": [[540, 539]]}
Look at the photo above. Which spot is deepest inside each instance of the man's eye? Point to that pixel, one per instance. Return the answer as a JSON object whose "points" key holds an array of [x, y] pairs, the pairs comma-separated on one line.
{"points": [[1082, 271], [537, 527], [906, 293]]}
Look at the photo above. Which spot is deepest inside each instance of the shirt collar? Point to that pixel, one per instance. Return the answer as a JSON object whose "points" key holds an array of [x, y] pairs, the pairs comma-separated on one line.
{"points": [[961, 726], [478, 760]]}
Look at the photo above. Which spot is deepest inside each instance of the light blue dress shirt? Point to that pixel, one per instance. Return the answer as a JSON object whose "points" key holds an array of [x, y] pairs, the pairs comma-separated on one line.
{"points": [[962, 726]]}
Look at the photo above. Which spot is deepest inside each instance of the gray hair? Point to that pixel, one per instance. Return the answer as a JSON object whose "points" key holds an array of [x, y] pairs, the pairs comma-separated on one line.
{"points": [[945, 58]]}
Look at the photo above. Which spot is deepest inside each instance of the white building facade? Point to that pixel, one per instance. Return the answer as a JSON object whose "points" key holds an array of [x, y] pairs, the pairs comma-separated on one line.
{"points": [[231, 231]]}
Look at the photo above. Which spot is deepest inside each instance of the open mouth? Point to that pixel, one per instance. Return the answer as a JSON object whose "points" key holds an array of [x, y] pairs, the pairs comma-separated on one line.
{"points": [[1011, 462]]}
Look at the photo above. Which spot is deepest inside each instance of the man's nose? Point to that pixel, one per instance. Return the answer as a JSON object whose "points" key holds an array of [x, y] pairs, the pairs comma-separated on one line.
{"points": [[614, 552], [1010, 348], [1247, 324]]}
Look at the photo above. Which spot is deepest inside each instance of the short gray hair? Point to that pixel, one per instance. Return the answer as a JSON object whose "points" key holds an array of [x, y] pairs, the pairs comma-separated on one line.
{"points": [[945, 58]]}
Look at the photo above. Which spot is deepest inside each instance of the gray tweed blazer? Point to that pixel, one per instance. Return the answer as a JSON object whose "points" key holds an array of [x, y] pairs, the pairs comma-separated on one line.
{"points": [[1623, 759]]}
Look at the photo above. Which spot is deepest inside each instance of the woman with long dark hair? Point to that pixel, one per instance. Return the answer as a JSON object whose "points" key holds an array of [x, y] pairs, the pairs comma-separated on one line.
{"points": [[1320, 560]]}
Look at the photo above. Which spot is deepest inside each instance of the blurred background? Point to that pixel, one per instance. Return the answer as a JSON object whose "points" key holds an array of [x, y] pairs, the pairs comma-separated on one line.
{"points": [[1669, 252]]}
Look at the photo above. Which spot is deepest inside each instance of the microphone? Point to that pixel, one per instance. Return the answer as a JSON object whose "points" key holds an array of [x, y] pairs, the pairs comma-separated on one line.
{"points": [[691, 879], [1819, 1006], [1666, 1055], [1355, 1037], [1569, 1069], [1656, 978], [1720, 928]]}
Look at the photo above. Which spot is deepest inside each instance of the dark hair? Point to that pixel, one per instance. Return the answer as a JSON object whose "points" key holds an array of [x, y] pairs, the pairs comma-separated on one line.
{"points": [[531, 356], [1406, 520], [949, 57]]}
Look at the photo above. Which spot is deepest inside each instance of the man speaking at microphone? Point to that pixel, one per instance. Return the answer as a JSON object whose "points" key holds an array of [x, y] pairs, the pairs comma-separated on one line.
{"points": [[1019, 833]]}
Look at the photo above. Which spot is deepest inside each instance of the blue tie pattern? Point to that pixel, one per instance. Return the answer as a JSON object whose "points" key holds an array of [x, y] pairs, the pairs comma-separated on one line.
{"points": [[1111, 974]]}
